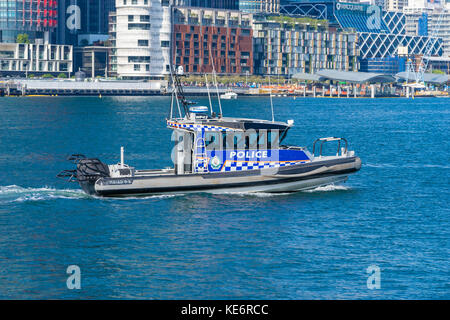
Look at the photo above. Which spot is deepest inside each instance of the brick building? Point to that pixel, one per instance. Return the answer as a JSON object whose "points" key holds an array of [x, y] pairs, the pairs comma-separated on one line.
{"points": [[200, 33]]}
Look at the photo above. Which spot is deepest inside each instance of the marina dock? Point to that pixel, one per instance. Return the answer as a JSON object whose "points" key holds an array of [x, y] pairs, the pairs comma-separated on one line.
{"points": [[53, 87]]}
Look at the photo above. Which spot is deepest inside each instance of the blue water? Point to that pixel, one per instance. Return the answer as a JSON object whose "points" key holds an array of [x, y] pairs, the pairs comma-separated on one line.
{"points": [[394, 213]]}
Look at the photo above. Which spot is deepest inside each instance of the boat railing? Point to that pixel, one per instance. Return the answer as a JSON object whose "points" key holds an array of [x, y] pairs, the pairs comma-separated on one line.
{"points": [[329, 139]]}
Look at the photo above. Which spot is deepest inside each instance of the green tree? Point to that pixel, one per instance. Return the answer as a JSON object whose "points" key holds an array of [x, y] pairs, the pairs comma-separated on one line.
{"points": [[437, 71], [23, 38], [47, 76], [62, 76]]}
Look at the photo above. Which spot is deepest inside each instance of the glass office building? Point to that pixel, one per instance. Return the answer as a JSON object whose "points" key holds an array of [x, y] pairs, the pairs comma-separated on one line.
{"points": [[381, 34], [36, 18], [259, 6], [83, 19]]}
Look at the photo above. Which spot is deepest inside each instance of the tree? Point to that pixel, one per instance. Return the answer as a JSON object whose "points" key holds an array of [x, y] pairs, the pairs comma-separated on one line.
{"points": [[437, 71], [23, 38], [47, 76], [62, 76]]}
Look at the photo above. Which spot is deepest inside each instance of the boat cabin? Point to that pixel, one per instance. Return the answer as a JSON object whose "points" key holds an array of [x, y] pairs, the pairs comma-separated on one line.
{"points": [[211, 144]]}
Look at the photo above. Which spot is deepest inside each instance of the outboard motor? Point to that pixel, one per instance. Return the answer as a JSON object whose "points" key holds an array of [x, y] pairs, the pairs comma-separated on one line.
{"points": [[88, 171]]}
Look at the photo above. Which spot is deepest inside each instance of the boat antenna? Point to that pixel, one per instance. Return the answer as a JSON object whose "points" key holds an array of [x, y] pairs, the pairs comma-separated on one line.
{"points": [[174, 91], [215, 79], [209, 95], [171, 106], [271, 102]]}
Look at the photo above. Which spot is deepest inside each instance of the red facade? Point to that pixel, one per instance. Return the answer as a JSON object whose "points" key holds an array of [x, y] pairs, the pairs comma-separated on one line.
{"points": [[44, 14], [231, 49]]}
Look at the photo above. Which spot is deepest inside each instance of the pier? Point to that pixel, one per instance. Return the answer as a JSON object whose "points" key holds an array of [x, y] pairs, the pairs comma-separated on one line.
{"points": [[25, 87], [297, 88]]}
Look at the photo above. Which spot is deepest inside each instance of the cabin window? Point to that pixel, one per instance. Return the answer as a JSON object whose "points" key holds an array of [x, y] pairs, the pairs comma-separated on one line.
{"points": [[252, 140], [235, 142], [212, 140], [273, 137], [262, 140], [283, 136]]}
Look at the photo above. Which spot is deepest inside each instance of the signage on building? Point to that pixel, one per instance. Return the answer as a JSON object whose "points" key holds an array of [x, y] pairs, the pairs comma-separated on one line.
{"points": [[350, 6]]}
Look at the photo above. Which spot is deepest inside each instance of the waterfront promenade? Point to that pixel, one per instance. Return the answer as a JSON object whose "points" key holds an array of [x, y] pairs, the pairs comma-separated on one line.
{"points": [[57, 87]]}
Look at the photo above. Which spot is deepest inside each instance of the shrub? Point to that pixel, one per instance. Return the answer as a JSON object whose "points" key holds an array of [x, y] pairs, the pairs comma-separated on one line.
{"points": [[22, 38]]}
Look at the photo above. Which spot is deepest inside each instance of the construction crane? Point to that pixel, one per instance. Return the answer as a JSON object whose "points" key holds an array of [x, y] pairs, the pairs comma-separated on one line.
{"points": [[423, 65]]}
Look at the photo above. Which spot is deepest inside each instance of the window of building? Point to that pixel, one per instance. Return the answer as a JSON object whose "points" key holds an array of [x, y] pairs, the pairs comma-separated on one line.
{"points": [[133, 1], [143, 43], [138, 26], [245, 32], [165, 44], [130, 18], [137, 59], [137, 67], [145, 18], [147, 67], [124, 2]]}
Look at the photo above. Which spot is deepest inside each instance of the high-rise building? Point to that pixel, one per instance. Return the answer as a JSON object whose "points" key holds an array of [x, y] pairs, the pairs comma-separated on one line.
{"points": [[381, 34], [140, 32], [83, 21], [285, 46], [216, 4], [395, 5], [422, 19], [35, 18], [204, 36], [259, 6]]}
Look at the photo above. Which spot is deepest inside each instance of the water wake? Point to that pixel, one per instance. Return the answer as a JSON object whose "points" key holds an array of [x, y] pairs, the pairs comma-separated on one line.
{"points": [[14, 193], [257, 194], [406, 166], [327, 188]]}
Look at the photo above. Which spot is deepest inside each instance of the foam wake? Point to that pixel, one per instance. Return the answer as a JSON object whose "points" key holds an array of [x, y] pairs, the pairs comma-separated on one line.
{"points": [[328, 188], [15, 193], [257, 194]]}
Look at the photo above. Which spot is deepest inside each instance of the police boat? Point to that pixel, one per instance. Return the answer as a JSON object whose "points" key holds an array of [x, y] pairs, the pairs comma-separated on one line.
{"points": [[217, 154]]}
